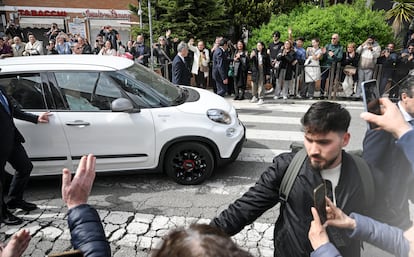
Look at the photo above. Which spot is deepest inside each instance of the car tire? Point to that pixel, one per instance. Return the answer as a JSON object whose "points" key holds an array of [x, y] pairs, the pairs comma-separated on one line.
{"points": [[189, 163]]}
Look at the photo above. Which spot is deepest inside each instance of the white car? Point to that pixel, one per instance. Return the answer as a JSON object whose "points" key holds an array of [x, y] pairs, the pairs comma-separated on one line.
{"points": [[124, 113]]}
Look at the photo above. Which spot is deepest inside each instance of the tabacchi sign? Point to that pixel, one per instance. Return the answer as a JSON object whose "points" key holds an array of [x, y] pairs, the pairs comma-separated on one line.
{"points": [[41, 13]]}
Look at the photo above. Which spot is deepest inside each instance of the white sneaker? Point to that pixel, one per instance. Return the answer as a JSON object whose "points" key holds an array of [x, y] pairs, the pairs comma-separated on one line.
{"points": [[260, 102], [276, 97], [269, 91], [254, 99], [285, 98]]}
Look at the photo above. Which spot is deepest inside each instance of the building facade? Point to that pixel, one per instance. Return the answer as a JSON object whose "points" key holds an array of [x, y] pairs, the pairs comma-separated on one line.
{"points": [[86, 18]]}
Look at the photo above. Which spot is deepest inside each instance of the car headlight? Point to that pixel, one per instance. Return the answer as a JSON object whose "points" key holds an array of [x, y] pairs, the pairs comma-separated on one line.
{"points": [[219, 116]]}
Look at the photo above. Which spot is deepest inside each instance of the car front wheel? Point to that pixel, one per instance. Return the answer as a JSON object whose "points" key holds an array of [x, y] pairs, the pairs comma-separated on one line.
{"points": [[189, 163]]}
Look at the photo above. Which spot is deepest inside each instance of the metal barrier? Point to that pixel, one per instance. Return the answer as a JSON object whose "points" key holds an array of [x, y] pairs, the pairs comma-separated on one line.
{"points": [[333, 83]]}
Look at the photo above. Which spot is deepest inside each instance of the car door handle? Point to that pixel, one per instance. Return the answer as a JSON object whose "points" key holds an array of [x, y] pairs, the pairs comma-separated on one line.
{"points": [[79, 123]]}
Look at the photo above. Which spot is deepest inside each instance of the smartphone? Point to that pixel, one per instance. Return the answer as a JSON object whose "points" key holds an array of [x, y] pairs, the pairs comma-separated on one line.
{"points": [[371, 96], [319, 201], [72, 253]]}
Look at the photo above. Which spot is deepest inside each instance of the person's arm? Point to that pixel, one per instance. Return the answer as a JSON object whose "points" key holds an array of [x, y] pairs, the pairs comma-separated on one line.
{"points": [[84, 223], [258, 199], [388, 238], [406, 143], [381, 235]]}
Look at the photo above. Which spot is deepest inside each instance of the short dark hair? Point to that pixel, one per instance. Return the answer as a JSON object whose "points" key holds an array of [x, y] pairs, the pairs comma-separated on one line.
{"points": [[223, 41], [276, 33], [325, 117], [199, 240], [407, 86]]}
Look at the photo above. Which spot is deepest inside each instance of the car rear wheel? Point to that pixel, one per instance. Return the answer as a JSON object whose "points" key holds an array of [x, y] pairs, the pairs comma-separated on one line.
{"points": [[189, 163]]}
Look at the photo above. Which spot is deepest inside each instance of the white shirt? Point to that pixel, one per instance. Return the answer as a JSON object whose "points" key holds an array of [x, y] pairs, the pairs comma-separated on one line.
{"points": [[333, 176], [407, 116]]}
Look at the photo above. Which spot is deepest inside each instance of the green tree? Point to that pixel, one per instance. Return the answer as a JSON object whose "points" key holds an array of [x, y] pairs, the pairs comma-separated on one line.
{"points": [[202, 19], [248, 13], [351, 21], [400, 14]]}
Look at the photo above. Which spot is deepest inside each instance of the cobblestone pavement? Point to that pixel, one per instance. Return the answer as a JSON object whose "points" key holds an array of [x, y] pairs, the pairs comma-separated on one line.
{"points": [[130, 234]]}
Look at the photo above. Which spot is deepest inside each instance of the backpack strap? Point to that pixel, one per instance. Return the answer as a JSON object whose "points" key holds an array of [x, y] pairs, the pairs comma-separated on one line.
{"points": [[291, 174], [366, 178]]}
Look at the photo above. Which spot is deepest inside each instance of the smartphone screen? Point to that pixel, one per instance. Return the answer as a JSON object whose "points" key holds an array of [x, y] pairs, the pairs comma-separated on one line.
{"points": [[370, 95], [319, 194]]}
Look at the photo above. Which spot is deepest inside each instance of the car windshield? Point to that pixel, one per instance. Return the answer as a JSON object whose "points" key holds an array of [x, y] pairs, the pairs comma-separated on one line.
{"points": [[156, 83]]}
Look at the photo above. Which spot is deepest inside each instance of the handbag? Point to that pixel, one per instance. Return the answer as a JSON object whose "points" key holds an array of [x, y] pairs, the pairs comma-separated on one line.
{"points": [[349, 70]]}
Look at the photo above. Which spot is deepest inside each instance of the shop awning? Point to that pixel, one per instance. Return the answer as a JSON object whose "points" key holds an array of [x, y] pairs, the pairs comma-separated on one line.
{"points": [[116, 24], [46, 22]]}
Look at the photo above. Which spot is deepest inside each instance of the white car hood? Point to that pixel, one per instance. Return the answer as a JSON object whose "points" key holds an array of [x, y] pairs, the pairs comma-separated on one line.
{"points": [[207, 100]]}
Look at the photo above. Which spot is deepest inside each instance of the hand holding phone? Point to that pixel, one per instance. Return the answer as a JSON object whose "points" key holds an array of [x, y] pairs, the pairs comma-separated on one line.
{"points": [[319, 201], [371, 96]]}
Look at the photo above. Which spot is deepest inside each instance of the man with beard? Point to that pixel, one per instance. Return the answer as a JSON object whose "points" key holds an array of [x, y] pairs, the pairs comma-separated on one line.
{"points": [[325, 127]]}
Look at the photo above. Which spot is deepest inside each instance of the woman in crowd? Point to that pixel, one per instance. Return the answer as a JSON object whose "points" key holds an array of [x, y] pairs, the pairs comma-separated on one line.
{"points": [[350, 69], [287, 59], [260, 66], [108, 49], [33, 47], [241, 67], [312, 69]]}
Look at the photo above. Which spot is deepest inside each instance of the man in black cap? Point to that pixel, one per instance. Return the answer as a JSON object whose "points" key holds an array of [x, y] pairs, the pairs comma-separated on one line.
{"points": [[273, 50]]}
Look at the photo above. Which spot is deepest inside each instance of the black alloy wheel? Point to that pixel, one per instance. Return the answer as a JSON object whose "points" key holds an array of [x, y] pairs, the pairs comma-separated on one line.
{"points": [[189, 163]]}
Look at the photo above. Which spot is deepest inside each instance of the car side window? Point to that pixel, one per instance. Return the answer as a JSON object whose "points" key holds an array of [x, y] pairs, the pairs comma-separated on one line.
{"points": [[87, 91], [25, 89]]}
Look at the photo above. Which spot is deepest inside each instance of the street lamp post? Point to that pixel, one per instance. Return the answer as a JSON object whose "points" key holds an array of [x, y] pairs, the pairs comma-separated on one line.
{"points": [[140, 14], [150, 31]]}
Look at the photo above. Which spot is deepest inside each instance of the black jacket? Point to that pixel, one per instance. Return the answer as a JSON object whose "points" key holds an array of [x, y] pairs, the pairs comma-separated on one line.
{"points": [[8, 129], [255, 65], [87, 232], [181, 74], [380, 149], [292, 225]]}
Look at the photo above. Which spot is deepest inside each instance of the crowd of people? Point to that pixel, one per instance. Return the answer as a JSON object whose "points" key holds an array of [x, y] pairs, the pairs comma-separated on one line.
{"points": [[291, 69]]}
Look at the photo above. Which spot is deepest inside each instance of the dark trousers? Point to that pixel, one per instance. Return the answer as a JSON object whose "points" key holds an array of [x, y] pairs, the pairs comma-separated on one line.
{"points": [[200, 80], [221, 88], [20, 161], [324, 77]]}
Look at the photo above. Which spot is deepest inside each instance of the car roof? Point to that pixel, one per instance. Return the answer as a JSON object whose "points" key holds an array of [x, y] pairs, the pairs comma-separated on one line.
{"points": [[63, 62]]}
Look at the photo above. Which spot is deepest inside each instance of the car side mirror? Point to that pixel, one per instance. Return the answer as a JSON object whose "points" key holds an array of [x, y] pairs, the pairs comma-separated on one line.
{"points": [[123, 105]]}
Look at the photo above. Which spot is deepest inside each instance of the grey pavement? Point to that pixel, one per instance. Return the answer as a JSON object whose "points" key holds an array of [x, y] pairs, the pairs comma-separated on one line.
{"points": [[129, 233]]}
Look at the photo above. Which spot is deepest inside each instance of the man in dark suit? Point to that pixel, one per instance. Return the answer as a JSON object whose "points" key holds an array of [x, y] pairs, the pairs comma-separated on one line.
{"points": [[221, 67], [12, 151], [381, 149], [181, 74]]}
